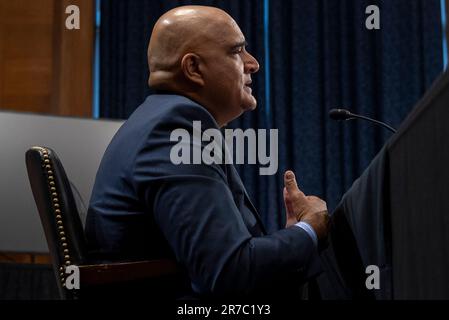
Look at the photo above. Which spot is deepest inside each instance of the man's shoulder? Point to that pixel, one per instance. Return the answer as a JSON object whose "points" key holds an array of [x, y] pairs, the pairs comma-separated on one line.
{"points": [[172, 108], [161, 114]]}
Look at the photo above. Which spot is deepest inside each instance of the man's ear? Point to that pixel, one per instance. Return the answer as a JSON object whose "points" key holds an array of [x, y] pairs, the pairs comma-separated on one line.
{"points": [[190, 65]]}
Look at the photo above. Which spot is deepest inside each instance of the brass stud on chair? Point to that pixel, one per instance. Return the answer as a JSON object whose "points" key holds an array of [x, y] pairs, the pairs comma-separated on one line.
{"points": [[56, 208]]}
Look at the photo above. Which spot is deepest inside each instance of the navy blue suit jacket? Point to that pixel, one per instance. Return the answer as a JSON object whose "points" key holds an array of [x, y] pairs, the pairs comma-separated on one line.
{"points": [[144, 206]]}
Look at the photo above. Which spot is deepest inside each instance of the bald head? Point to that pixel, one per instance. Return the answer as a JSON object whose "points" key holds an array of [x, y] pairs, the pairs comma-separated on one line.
{"points": [[200, 53], [186, 29]]}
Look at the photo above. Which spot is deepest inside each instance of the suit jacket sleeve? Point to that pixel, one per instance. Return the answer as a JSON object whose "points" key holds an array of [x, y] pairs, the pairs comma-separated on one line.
{"points": [[195, 210]]}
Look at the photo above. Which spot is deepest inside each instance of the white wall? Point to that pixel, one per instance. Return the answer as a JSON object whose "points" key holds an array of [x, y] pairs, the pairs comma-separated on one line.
{"points": [[79, 143]]}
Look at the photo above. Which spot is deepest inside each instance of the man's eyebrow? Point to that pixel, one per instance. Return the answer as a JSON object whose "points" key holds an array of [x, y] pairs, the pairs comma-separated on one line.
{"points": [[240, 44]]}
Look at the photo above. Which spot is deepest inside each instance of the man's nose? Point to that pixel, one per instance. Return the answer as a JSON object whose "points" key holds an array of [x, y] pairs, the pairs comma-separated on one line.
{"points": [[251, 64]]}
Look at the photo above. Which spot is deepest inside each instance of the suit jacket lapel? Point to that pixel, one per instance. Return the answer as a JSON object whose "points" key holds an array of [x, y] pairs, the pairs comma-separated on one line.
{"points": [[235, 178]]}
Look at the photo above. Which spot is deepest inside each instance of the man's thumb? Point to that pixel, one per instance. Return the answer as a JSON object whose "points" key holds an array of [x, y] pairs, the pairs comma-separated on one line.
{"points": [[290, 181], [291, 185]]}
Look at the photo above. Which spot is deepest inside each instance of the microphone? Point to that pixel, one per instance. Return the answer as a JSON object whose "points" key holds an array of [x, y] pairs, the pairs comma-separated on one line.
{"points": [[343, 114]]}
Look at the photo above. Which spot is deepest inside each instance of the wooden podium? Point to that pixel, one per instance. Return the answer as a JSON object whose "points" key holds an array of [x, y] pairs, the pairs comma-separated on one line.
{"points": [[396, 214], [419, 198]]}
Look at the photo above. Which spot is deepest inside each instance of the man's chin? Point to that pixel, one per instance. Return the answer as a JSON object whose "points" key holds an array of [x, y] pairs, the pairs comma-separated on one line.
{"points": [[250, 105]]}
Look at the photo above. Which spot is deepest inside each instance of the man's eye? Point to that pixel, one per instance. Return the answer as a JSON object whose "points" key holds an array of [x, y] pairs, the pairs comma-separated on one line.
{"points": [[239, 50]]}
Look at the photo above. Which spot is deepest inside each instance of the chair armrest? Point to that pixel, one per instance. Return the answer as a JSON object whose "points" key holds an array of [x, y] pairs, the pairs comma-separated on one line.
{"points": [[126, 271]]}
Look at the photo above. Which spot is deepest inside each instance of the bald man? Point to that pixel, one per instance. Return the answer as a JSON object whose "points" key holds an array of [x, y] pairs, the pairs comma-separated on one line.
{"points": [[144, 206]]}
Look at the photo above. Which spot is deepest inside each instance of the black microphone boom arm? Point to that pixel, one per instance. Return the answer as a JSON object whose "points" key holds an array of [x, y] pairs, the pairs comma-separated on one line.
{"points": [[343, 114]]}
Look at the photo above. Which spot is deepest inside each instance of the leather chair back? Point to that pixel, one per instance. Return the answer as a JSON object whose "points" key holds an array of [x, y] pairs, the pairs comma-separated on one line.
{"points": [[58, 212]]}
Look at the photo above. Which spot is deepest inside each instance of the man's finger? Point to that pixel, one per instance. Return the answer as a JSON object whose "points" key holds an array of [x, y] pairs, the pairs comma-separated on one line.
{"points": [[289, 180], [288, 204], [290, 183]]}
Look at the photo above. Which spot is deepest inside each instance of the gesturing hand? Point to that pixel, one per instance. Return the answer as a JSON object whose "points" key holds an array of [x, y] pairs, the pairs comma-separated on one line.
{"points": [[300, 207]]}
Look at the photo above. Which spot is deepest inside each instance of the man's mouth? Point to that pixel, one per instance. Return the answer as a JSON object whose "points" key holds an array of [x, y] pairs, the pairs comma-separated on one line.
{"points": [[248, 86]]}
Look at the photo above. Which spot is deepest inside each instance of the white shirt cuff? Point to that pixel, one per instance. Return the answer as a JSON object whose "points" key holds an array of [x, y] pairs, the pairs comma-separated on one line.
{"points": [[308, 228]]}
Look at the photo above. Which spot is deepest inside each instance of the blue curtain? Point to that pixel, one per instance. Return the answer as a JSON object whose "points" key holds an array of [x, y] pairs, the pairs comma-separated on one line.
{"points": [[321, 56]]}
